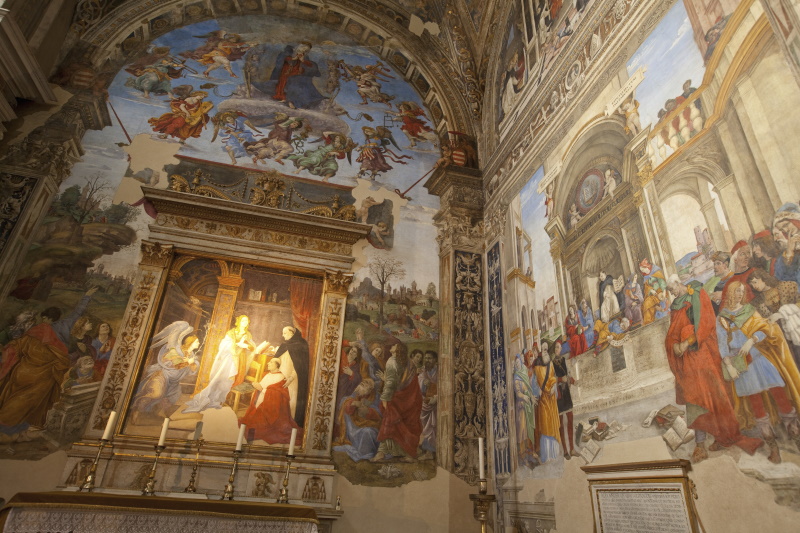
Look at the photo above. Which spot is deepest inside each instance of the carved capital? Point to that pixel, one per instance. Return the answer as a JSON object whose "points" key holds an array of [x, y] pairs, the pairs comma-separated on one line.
{"points": [[495, 222], [338, 281], [155, 254], [645, 173], [458, 231]]}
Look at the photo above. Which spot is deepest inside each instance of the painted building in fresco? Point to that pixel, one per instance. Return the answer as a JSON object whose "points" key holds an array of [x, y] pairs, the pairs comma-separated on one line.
{"points": [[569, 228]]}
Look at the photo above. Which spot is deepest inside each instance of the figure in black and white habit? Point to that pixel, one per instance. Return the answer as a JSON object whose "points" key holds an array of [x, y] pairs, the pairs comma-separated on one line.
{"points": [[297, 347], [609, 298]]}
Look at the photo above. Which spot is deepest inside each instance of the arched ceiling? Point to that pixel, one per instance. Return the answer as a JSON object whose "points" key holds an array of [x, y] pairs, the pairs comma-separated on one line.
{"points": [[427, 41]]}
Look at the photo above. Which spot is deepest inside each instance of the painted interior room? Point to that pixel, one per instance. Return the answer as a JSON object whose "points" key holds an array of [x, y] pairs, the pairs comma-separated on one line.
{"points": [[398, 265]]}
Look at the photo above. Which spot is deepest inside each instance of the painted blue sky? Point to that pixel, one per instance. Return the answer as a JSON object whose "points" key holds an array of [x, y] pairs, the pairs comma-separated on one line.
{"points": [[135, 110], [533, 221], [671, 57]]}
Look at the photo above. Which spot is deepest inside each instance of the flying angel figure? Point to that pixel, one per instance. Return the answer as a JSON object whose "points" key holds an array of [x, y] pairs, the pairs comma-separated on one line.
{"points": [[375, 151], [322, 161], [235, 133]]}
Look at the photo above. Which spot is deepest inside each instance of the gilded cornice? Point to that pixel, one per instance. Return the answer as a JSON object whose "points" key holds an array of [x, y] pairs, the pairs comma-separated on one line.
{"points": [[207, 210]]}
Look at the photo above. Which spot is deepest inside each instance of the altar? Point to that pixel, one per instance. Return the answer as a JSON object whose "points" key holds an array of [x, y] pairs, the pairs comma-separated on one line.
{"points": [[101, 513]]}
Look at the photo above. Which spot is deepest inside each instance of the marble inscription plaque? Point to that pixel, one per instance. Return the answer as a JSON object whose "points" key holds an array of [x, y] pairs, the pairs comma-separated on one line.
{"points": [[642, 510]]}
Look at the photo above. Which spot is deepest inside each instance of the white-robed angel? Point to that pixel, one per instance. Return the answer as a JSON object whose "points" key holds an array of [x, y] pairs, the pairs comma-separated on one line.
{"points": [[233, 357], [160, 388]]}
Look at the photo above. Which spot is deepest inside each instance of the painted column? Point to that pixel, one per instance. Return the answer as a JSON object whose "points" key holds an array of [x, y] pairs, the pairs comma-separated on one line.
{"points": [[709, 210], [221, 319], [730, 198], [749, 200]]}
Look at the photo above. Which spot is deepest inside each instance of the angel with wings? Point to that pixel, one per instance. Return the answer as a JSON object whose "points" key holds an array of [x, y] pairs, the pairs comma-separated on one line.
{"points": [[368, 81], [235, 135], [218, 51], [322, 161], [414, 126], [160, 387], [375, 151]]}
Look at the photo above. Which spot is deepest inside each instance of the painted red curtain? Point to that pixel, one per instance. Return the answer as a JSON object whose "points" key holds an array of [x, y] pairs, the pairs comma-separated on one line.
{"points": [[306, 294]]}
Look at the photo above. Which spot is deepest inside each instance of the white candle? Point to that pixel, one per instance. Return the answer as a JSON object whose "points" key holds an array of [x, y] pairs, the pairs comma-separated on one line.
{"points": [[241, 437], [480, 458], [164, 429], [198, 431], [291, 441], [110, 425]]}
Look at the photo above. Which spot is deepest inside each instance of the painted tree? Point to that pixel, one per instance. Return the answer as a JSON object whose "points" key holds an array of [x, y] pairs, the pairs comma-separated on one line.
{"points": [[385, 268]]}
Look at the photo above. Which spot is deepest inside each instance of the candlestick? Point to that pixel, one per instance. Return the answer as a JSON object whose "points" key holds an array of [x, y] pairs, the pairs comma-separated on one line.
{"points": [[162, 439], [88, 482], [228, 494], [482, 502], [481, 472], [239, 440], [291, 441], [284, 495], [110, 425], [149, 488], [199, 442]]}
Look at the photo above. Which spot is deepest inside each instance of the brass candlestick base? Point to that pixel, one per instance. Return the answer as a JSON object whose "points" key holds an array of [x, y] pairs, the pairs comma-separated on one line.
{"points": [[88, 483], [284, 495], [149, 488], [191, 487], [482, 502], [228, 494]]}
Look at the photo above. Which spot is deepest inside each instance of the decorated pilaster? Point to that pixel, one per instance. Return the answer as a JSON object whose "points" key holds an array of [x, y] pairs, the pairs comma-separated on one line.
{"points": [[463, 393], [147, 288], [333, 306]]}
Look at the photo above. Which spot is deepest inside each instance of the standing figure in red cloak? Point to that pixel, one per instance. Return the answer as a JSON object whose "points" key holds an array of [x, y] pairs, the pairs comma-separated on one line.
{"points": [[693, 356], [575, 335], [401, 406]]}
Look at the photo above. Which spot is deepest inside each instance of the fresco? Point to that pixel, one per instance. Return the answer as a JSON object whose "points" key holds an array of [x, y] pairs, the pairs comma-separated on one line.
{"points": [[258, 110], [537, 32], [386, 402], [257, 373], [512, 57], [700, 350]]}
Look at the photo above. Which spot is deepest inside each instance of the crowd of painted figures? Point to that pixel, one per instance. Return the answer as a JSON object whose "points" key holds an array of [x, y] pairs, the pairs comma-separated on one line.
{"points": [[45, 355], [386, 402], [291, 88], [733, 345]]}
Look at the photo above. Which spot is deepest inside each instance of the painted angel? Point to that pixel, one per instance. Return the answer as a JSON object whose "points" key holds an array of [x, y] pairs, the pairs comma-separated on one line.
{"points": [[219, 50], [159, 390], [414, 125], [368, 81], [375, 151], [187, 117], [322, 161], [236, 132]]}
